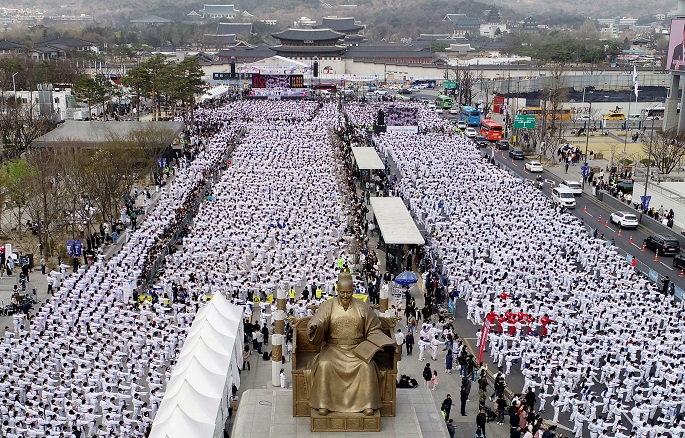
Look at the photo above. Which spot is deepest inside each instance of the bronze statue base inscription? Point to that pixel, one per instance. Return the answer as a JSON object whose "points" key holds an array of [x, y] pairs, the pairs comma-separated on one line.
{"points": [[345, 422]]}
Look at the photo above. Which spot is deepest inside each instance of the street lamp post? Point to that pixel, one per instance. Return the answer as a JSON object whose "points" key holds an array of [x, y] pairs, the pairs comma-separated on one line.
{"points": [[14, 87], [587, 138], [649, 161]]}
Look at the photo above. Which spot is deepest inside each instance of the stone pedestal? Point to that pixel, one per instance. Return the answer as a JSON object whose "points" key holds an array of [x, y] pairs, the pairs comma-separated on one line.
{"points": [[268, 413], [337, 422]]}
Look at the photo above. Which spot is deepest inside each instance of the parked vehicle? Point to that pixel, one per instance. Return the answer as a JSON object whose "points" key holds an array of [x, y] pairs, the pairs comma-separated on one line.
{"points": [[662, 244], [533, 167], [624, 219], [502, 145], [516, 154], [615, 115], [481, 141], [564, 197], [574, 186]]}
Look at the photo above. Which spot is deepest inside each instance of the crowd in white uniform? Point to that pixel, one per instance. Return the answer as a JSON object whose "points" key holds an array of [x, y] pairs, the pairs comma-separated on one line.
{"points": [[91, 361], [366, 115], [613, 355], [276, 218]]}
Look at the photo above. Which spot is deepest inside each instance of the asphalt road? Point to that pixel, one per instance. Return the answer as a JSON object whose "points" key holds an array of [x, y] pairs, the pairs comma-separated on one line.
{"points": [[595, 210]]}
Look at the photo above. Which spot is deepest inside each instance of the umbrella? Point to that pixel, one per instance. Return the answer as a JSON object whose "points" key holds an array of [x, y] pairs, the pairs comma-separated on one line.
{"points": [[406, 278]]}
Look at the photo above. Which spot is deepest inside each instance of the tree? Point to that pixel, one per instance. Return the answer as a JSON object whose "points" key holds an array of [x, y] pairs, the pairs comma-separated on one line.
{"points": [[666, 150], [95, 91], [20, 124], [139, 79], [439, 47], [45, 185], [588, 30], [155, 67], [557, 93], [14, 179], [190, 73]]}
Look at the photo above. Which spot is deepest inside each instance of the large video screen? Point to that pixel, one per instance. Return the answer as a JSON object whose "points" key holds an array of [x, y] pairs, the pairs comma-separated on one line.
{"points": [[277, 81], [676, 47], [401, 116]]}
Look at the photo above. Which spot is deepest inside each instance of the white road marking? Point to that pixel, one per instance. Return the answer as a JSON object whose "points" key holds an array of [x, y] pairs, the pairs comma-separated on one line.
{"points": [[666, 265]]}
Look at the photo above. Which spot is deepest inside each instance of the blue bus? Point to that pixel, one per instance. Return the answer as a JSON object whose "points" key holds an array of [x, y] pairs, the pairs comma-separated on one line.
{"points": [[470, 115], [424, 83]]}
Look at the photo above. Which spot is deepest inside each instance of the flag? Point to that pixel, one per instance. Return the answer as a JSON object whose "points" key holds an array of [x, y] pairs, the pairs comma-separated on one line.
{"points": [[635, 79]]}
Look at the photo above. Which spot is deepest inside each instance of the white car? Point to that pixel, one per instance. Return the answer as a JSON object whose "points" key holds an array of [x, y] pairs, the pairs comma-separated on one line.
{"points": [[624, 219], [454, 110], [461, 125], [533, 167], [574, 186], [562, 196], [471, 133]]}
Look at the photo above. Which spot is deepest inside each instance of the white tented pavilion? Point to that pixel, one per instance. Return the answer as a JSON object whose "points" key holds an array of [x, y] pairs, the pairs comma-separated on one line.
{"points": [[198, 394]]}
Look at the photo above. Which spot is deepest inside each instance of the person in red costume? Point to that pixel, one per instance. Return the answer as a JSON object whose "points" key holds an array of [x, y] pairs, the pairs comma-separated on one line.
{"points": [[545, 320]]}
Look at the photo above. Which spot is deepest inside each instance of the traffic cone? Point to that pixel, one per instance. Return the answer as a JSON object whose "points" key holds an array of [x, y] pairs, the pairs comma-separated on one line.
{"points": [[643, 247], [606, 224], [656, 256], [619, 232], [600, 218], [631, 239], [585, 209], [682, 273]]}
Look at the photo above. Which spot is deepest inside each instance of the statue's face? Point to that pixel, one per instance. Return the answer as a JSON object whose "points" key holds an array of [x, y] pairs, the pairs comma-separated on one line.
{"points": [[345, 292]]}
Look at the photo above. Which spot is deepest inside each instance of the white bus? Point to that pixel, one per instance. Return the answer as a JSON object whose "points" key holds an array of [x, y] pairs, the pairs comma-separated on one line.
{"points": [[656, 113]]}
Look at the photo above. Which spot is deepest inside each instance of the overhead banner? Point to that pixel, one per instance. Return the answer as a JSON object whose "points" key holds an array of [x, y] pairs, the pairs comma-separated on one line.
{"points": [[403, 129], [347, 78], [676, 47]]}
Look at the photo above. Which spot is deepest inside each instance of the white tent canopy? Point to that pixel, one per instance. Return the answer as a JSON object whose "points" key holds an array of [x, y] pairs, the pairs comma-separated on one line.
{"points": [[394, 222], [215, 93], [367, 158], [198, 394]]}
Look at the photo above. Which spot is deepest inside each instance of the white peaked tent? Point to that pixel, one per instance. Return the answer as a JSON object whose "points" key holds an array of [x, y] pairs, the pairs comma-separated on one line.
{"points": [[198, 394]]}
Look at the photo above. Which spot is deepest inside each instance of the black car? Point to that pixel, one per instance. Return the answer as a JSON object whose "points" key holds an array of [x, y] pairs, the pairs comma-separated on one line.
{"points": [[502, 145], [679, 261], [516, 154], [662, 244], [481, 142], [404, 91]]}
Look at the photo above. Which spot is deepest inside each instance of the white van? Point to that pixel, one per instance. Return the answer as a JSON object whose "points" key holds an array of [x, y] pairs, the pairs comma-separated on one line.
{"points": [[563, 196]]}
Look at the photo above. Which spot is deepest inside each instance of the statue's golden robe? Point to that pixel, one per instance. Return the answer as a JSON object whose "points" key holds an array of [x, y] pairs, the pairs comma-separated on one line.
{"points": [[343, 377]]}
